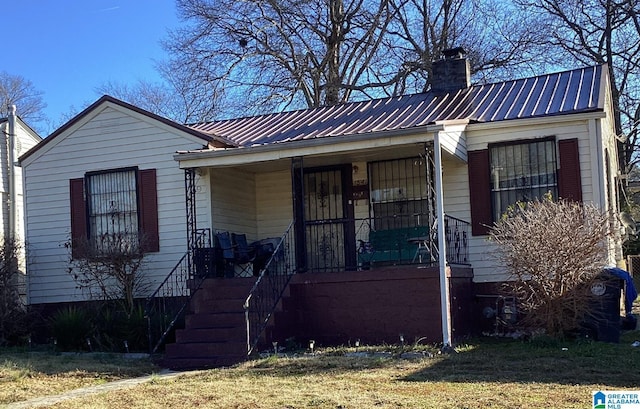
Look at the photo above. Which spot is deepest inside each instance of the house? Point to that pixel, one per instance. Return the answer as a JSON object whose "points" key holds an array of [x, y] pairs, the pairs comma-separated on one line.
{"points": [[18, 138], [346, 204]]}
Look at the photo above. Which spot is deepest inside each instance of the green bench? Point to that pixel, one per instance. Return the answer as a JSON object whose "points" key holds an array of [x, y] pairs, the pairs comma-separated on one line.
{"points": [[391, 246]]}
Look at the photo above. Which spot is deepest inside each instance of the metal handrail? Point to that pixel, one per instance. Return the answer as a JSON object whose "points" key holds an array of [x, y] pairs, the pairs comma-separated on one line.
{"points": [[457, 233], [165, 307], [268, 289]]}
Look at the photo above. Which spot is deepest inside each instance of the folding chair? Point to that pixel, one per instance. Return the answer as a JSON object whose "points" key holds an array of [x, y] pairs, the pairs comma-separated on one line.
{"points": [[226, 252], [244, 255]]}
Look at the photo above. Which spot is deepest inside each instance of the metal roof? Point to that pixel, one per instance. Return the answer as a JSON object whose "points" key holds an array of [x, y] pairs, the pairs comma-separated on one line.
{"points": [[560, 93]]}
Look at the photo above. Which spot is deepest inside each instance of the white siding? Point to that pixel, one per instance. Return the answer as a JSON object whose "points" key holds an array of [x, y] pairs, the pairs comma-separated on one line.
{"points": [[233, 201], [452, 140], [456, 182], [24, 140], [274, 204], [259, 205], [115, 137], [605, 128]]}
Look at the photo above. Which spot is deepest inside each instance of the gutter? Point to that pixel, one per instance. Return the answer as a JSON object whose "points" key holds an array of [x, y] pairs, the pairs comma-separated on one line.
{"points": [[11, 172], [294, 148]]}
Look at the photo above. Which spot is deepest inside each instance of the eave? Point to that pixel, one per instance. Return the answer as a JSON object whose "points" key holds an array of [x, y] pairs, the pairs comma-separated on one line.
{"points": [[307, 147]]}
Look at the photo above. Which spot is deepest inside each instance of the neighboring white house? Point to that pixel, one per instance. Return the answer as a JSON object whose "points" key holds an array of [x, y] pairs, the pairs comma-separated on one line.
{"points": [[359, 179], [18, 138]]}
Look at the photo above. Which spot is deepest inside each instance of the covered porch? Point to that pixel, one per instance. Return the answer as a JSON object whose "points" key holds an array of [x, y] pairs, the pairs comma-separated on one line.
{"points": [[350, 206], [357, 242]]}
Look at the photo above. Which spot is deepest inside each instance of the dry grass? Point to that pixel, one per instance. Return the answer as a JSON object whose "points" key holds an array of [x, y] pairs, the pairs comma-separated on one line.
{"points": [[487, 374], [28, 375]]}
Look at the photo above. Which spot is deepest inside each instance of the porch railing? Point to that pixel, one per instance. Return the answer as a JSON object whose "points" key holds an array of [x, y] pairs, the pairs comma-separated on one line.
{"points": [[269, 288], [378, 241], [457, 234], [166, 306]]}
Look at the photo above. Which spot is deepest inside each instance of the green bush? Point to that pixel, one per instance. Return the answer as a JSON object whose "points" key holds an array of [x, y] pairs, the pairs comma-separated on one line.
{"points": [[113, 328], [135, 330], [71, 327]]}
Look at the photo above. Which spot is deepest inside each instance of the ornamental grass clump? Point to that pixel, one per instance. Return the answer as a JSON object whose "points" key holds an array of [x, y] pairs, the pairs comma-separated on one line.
{"points": [[552, 251]]}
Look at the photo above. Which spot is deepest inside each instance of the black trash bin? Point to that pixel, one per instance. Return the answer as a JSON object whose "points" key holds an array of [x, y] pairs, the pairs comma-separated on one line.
{"points": [[603, 318]]}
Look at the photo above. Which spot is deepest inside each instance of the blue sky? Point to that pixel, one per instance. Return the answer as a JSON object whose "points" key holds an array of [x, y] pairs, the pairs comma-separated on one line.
{"points": [[68, 48]]}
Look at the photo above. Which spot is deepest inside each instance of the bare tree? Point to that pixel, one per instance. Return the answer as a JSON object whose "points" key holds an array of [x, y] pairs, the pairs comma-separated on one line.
{"points": [[177, 98], [597, 32], [16, 90], [281, 53], [499, 43], [550, 268], [254, 56]]}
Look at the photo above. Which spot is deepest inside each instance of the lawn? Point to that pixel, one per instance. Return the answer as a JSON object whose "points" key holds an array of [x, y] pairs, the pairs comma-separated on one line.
{"points": [[26, 375], [485, 373]]}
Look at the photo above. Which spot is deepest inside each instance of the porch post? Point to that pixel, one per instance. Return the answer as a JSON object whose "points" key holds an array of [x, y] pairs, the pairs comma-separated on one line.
{"points": [[297, 186], [442, 250], [190, 202], [430, 170]]}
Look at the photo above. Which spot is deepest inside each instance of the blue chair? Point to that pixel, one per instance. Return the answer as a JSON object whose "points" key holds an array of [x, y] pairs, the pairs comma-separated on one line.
{"points": [[226, 253], [244, 255]]}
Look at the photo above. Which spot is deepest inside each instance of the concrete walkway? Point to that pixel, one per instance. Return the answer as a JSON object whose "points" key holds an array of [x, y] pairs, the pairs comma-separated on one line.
{"points": [[91, 390]]}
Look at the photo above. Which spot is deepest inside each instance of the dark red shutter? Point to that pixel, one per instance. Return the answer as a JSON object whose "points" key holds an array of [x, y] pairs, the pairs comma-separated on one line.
{"points": [[480, 192], [78, 216], [149, 210], [569, 181]]}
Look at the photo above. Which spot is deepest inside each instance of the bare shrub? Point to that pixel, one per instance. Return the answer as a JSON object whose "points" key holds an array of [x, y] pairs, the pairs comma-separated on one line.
{"points": [[111, 270], [552, 251]]}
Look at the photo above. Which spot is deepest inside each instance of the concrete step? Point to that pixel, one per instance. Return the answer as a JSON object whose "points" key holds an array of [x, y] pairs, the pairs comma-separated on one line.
{"points": [[211, 305], [212, 283], [205, 349], [215, 330], [221, 334], [215, 320], [181, 364]]}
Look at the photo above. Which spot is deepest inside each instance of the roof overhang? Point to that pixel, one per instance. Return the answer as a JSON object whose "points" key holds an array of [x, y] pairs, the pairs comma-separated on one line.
{"points": [[452, 135], [547, 119]]}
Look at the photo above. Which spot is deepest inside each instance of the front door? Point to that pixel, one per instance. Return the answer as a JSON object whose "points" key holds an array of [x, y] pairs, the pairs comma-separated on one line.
{"points": [[328, 219]]}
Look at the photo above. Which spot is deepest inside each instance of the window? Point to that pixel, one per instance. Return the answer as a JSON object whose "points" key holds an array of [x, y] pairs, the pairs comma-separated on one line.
{"points": [[114, 207], [482, 181], [522, 171], [399, 195]]}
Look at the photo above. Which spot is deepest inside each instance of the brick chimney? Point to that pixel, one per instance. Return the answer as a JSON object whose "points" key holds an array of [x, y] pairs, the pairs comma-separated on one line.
{"points": [[452, 72]]}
